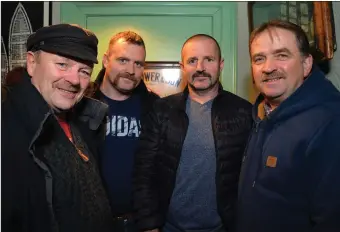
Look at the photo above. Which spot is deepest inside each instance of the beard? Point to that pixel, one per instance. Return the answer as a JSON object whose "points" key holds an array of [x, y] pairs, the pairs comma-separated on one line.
{"points": [[121, 90], [212, 83]]}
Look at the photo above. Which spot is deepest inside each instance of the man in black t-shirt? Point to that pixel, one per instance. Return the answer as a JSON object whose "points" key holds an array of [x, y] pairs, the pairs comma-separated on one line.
{"points": [[119, 84]]}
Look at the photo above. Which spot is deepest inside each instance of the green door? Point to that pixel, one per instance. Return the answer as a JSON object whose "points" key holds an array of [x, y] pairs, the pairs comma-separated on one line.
{"points": [[164, 27]]}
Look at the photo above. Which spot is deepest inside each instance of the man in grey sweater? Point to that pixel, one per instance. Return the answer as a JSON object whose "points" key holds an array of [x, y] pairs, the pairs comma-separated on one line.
{"points": [[191, 145]]}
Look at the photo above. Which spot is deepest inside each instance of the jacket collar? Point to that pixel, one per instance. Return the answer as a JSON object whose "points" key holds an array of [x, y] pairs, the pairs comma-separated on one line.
{"points": [[180, 102], [29, 102], [92, 111], [315, 89]]}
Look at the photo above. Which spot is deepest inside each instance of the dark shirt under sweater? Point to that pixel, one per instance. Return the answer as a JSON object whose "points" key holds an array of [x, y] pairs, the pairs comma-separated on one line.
{"points": [[80, 202], [122, 134], [193, 204]]}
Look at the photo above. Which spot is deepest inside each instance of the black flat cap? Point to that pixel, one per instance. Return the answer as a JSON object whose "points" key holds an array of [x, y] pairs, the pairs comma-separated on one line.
{"points": [[67, 40]]}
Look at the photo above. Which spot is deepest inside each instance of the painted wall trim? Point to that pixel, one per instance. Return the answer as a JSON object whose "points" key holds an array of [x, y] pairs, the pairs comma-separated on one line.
{"points": [[46, 13], [55, 12]]}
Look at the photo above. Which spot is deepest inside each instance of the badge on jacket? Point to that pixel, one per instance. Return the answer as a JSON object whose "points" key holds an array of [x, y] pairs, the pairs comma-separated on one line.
{"points": [[271, 161]]}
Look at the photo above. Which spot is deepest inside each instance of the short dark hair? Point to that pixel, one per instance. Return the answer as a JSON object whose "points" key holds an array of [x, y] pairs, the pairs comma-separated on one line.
{"points": [[301, 37], [128, 36], [203, 36]]}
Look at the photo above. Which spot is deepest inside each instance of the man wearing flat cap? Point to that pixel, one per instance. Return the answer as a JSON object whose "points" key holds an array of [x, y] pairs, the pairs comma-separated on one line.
{"points": [[50, 138]]}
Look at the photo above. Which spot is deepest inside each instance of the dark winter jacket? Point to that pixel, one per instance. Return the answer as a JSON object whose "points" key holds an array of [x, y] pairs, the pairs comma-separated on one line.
{"points": [[29, 130], [290, 179], [160, 148]]}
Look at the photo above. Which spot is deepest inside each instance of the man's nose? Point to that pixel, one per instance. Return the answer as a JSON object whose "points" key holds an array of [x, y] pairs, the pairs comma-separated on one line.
{"points": [[200, 66], [131, 68], [72, 76], [268, 66]]}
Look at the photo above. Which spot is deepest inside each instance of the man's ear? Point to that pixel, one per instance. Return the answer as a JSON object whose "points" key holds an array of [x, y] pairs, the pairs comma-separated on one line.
{"points": [[106, 59], [307, 65], [31, 62], [221, 64], [181, 64]]}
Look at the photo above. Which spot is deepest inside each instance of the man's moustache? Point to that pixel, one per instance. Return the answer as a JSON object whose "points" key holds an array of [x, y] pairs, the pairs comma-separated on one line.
{"points": [[272, 75], [71, 88], [201, 74], [128, 76]]}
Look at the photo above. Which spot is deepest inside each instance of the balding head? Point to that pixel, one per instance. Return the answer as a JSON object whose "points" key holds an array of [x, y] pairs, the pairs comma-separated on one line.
{"points": [[202, 37], [202, 64]]}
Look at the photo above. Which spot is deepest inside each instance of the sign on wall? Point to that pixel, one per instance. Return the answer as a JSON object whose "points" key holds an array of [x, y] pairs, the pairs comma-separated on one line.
{"points": [[163, 78]]}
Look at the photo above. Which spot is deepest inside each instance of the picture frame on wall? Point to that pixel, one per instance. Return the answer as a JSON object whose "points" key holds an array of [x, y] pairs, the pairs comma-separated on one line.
{"points": [[163, 78], [315, 18], [18, 21]]}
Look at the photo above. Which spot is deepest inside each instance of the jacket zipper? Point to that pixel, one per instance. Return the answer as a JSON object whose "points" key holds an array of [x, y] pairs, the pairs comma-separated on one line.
{"points": [[257, 123], [48, 175], [265, 143], [255, 128]]}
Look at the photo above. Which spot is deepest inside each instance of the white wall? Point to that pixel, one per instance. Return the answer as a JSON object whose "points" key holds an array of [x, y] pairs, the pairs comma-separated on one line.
{"points": [[245, 87]]}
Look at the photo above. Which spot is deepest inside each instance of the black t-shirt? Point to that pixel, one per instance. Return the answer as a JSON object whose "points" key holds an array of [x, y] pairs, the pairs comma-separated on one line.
{"points": [[122, 133]]}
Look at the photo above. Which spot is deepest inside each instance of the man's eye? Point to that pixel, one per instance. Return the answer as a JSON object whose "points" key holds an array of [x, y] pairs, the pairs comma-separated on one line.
{"points": [[85, 73], [139, 65], [258, 60], [210, 60], [282, 56], [62, 65], [191, 61], [123, 61]]}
